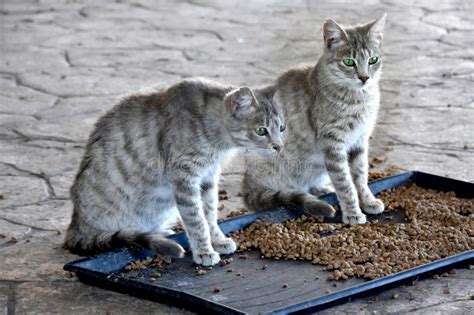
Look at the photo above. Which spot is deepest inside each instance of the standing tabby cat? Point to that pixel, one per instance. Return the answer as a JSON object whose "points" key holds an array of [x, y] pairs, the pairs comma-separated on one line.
{"points": [[331, 110], [155, 156]]}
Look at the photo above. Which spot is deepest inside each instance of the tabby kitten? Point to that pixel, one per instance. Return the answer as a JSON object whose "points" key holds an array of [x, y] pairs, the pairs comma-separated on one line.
{"points": [[331, 109], [155, 157]]}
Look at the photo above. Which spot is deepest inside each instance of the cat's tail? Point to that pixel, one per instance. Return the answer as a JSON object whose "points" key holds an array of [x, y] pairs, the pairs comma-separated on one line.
{"points": [[259, 198], [93, 243]]}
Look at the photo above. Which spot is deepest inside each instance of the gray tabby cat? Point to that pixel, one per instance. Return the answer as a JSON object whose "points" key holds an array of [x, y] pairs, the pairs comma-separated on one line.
{"points": [[331, 109], [155, 157]]}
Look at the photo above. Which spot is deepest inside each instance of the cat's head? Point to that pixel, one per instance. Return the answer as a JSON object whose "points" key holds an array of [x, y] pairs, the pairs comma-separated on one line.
{"points": [[353, 55], [253, 121]]}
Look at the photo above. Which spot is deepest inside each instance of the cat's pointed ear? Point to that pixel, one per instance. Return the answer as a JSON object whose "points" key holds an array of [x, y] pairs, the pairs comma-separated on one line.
{"points": [[333, 33], [375, 29], [240, 101]]}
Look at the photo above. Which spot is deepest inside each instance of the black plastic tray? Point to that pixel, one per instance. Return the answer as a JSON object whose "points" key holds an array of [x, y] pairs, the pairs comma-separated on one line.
{"points": [[256, 290]]}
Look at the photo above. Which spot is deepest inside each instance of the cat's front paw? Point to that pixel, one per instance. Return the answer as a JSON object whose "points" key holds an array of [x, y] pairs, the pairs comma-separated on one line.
{"points": [[225, 246], [354, 218], [374, 206], [206, 258]]}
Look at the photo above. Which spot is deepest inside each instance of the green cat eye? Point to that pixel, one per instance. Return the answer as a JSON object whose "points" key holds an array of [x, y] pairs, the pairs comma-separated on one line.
{"points": [[261, 131], [349, 62], [373, 60]]}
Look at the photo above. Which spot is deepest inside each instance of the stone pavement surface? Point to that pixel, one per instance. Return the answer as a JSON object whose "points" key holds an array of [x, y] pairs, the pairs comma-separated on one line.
{"points": [[63, 63]]}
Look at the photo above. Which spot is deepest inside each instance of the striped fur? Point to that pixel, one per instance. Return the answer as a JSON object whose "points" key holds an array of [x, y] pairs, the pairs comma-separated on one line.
{"points": [[330, 114], [155, 157]]}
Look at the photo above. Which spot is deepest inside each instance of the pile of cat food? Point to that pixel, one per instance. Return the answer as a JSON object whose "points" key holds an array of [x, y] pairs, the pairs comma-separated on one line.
{"points": [[438, 225]]}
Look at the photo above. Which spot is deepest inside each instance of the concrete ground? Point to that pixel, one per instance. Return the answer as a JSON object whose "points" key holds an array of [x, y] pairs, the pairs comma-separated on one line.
{"points": [[63, 63]]}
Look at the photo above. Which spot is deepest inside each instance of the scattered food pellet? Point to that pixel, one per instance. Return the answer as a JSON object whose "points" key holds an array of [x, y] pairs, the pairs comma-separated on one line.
{"points": [[152, 279], [223, 195], [178, 228], [13, 239], [216, 290], [156, 275], [395, 296], [328, 291], [2, 236], [237, 213], [148, 261], [201, 272], [225, 261], [238, 274], [58, 232], [446, 291], [444, 274], [69, 274], [436, 277], [334, 284], [285, 285], [229, 270], [2, 197]]}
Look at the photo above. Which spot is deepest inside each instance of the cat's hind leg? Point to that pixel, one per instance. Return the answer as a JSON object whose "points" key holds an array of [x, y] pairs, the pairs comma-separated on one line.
{"points": [[321, 191], [84, 239]]}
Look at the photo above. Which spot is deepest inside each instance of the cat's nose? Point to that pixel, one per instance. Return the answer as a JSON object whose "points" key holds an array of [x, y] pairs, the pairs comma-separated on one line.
{"points": [[276, 147], [363, 78]]}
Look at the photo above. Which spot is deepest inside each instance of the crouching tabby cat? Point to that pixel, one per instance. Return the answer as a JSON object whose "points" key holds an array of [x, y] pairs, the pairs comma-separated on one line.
{"points": [[155, 157], [330, 109]]}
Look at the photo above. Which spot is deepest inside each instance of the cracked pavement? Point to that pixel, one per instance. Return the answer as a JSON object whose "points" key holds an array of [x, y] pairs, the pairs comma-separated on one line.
{"points": [[63, 64]]}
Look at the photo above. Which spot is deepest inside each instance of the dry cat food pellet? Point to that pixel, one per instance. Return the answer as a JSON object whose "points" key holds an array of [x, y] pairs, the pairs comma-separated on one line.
{"points": [[148, 261], [237, 213], [438, 226], [201, 272], [216, 290], [225, 261], [223, 195], [285, 285]]}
